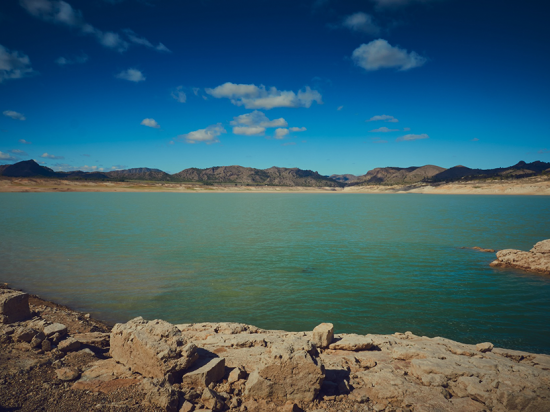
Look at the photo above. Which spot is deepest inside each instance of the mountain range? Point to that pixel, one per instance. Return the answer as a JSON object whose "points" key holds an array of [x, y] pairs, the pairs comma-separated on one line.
{"points": [[279, 176]]}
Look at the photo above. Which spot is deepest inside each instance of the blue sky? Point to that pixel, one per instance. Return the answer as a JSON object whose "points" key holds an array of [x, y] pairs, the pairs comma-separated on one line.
{"points": [[332, 86]]}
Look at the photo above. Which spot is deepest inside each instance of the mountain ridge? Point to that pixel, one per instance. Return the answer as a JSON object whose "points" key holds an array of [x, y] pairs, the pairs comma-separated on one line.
{"points": [[281, 176]]}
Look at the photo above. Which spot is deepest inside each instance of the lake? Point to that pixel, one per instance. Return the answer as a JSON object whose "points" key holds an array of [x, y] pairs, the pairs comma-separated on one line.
{"points": [[369, 263]]}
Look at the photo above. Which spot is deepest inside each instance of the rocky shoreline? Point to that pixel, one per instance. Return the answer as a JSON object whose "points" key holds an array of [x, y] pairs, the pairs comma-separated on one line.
{"points": [[536, 260], [57, 359]]}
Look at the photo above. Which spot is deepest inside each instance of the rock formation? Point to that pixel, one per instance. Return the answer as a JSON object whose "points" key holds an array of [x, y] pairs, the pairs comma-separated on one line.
{"points": [[536, 260], [14, 306], [155, 366]]}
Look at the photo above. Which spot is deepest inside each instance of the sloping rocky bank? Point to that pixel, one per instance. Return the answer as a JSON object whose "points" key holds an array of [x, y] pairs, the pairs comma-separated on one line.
{"points": [[56, 359], [536, 260]]}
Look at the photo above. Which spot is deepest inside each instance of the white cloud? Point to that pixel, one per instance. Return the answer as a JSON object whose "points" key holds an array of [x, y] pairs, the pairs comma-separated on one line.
{"points": [[259, 97], [475, 139], [14, 65], [255, 123], [384, 129], [208, 135], [249, 131], [378, 140], [340, 108], [60, 12], [409, 137], [196, 91], [24, 141], [179, 94], [406, 129], [289, 144], [543, 151], [142, 41], [281, 133], [362, 23], [6, 156], [297, 129], [384, 118], [63, 61], [14, 115], [379, 54], [19, 152], [132, 75], [150, 123], [50, 156]]}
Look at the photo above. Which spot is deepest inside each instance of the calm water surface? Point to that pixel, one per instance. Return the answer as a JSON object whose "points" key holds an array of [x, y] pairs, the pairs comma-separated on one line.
{"points": [[367, 263]]}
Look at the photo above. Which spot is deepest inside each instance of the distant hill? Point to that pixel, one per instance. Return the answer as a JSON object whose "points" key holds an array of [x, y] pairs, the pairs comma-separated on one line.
{"points": [[280, 176], [398, 175], [344, 178], [27, 168], [518, 170], [140, 173], [276, 176]]}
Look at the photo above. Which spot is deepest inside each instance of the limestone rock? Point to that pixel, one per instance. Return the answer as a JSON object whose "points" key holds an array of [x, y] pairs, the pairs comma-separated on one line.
{"points": [[46, 345], [352, 342], [67, 374], [236, 374], [323, 335], [98, 339], [290, 372], [212, 400], [55, 328], [163, 396], [485, 347], [14, 306], [69, 345], [187, 407], [153, 348], [537, 260], [212, 371], [542, 247], [37, 339], [24, 334]]}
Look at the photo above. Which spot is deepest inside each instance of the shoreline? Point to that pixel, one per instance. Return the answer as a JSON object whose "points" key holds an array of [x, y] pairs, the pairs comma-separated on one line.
{"points": [[535, 186], [340, 372]]}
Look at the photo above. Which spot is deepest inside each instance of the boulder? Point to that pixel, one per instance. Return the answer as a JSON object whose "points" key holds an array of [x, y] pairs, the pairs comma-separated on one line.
{"points": [[67, 374], [290, 372], [37, 339], [236, 374], [323, 335], [212, 400], [485, 347], [153, 348], [353, 342], [212, 371], [14, 306], [68, 345], [24, 334], [542, 247], [55, 328]]}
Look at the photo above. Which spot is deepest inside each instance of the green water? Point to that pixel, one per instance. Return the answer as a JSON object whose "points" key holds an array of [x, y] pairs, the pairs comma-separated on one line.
{"points": [[367, 263]]}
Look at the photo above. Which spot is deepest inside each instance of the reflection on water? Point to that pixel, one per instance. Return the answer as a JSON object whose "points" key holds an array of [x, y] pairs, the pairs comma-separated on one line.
{"points": [[367, 263]]}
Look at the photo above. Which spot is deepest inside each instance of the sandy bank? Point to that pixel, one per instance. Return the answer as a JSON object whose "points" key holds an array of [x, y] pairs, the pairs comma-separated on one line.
{"points": [[529, 186], [61, 360]]}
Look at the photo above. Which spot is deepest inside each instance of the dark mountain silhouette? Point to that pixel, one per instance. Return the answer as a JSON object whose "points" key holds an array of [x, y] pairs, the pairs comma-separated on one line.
{"points": [[518, 170], [27, 168]]}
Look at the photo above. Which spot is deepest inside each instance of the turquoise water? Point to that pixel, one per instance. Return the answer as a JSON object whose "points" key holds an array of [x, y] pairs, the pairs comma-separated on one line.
{"points": [[367, 263]]}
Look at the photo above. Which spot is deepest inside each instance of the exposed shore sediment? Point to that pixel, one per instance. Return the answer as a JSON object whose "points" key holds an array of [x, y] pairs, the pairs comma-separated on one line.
{"points": [[528, 186], [54, 358]]}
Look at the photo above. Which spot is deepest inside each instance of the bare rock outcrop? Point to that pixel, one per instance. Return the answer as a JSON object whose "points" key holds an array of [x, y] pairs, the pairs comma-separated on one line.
{"points": [[153, 349], [323, 335], [536, 260], [289, 372], [14, 306]]}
